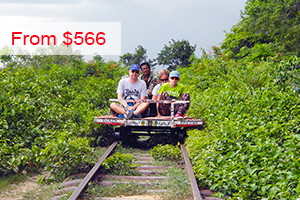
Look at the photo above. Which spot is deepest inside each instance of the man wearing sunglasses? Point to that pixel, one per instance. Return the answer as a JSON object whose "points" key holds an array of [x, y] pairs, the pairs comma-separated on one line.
{"points": [[131, 88], [173, 91]]}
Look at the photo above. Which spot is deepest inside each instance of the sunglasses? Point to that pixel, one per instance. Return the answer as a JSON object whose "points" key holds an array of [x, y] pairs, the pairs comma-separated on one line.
{"points": [[143, 69], [162, 80], [135, 71], [176, 78]]}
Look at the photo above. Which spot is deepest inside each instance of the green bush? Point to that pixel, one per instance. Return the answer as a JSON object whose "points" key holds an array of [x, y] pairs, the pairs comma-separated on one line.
{"points": [[166, 152], [250, 146], [121, 164], [248, 149], [37, 103], [66, 154]]}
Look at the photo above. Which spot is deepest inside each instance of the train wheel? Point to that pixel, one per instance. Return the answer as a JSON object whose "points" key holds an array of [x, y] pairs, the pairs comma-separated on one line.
{"points": [[181, 134], [180, 137], [117, 135]]}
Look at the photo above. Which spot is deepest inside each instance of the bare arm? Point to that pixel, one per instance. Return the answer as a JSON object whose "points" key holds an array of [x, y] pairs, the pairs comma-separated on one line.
{"points": [[123, 103], [137, 104], [158, 113], [120, 97]]}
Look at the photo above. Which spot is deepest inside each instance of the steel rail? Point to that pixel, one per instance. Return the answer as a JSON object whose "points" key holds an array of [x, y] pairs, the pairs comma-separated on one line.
{"points": [[188, 164], [80, 189], [149, 101], [172, 102]]}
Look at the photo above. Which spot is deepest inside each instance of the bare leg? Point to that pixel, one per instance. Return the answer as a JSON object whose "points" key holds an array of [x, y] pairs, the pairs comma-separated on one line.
{"points": [[184, 107], [141, 108], [117, 108], [164, 108]]}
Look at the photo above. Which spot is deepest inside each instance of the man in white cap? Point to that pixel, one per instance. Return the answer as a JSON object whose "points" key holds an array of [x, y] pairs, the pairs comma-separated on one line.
{"points": [[131, 88], [173, 91]]}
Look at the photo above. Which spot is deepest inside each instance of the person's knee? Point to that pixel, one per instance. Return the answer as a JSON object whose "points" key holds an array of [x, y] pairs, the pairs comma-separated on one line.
{"points": [[147, 105], [165, 96], [113, 105], [186, 96], [141, 108], [164, 93]]}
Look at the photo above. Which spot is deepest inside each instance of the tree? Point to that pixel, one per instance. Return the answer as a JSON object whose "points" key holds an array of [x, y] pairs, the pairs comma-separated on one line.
{"points": [[98, 58], [178, 53], [138, 57], [266, 28], [5, 56], [59, 55]]}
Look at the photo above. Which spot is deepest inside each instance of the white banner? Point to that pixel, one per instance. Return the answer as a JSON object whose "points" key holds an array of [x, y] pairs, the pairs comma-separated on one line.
{"points": [[60, 38]]}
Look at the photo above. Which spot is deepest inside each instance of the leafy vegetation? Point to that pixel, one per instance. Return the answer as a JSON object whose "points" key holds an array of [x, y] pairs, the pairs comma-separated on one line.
{"points": [[248, 148], [166, 152], [178, 53], [247, 91], [66, 155], [121, 164], [49, 110], [267, 28], [138, 57]]}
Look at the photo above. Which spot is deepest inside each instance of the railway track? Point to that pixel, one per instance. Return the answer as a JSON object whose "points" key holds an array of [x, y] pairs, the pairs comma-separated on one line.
{"points": [[92, 175], [148, 126]]}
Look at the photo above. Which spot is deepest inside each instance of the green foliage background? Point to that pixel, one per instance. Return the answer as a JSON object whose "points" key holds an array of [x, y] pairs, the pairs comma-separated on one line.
{"points": [[267, 28], [177, 53], [250, 146], [39, 105], [247, 91]]}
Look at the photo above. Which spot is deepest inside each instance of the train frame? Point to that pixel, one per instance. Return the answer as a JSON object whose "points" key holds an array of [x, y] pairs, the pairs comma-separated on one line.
{"points": [[152, 126]]}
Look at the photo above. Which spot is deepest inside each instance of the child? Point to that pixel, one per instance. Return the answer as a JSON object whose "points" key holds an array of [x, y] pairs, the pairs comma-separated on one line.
{"points": [[173, 91]]}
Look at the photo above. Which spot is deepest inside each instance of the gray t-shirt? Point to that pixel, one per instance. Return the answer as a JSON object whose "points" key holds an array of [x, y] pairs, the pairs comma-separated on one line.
{"points": [[155, 89], [132, 90]]}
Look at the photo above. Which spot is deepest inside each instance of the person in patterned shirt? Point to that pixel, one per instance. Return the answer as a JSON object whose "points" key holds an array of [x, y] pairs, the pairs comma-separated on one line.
{"points": [[150, 77]]}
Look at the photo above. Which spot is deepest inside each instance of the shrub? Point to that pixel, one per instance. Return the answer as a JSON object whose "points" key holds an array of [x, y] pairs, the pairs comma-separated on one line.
{"points": [[121, 164], [36, 102], [166, 152], [65, 155], [249, 146]]}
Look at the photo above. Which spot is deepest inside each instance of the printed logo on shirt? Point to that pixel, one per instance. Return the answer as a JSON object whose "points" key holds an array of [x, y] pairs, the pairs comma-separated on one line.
{"points": [[131, 94], [173, 94]]}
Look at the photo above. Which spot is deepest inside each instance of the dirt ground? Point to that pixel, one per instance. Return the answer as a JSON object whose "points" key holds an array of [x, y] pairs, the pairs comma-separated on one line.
{"points": [[140, 197], [18, 190]]}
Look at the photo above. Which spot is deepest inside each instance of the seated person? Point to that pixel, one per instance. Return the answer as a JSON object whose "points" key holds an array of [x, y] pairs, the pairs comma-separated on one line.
{"points": [[173, 91], [131, 88], [163, 78], [150, 77]]}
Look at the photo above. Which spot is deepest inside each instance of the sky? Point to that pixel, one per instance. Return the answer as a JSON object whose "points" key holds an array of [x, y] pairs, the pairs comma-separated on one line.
{"points": [[149, 23]]}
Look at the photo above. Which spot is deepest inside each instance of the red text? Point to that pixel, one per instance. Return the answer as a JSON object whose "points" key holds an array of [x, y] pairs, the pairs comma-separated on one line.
{"points": [[33, 39]]}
